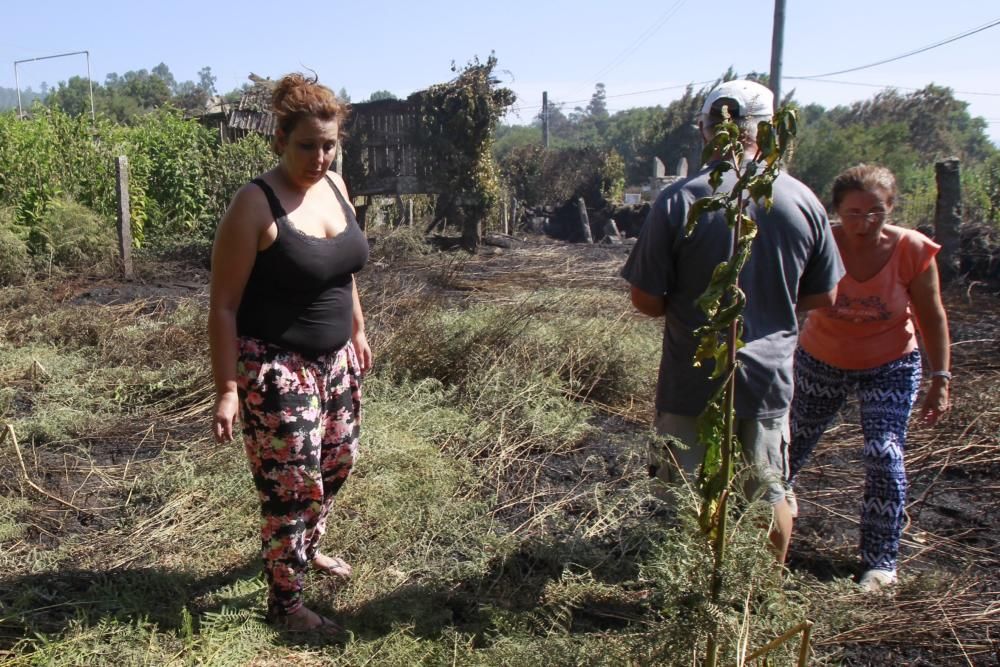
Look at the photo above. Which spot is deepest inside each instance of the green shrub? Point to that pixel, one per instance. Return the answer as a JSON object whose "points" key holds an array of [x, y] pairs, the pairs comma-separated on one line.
{"points": [[71, 236], [541, 176], [400, 243], [15, 259], [231, 166]]}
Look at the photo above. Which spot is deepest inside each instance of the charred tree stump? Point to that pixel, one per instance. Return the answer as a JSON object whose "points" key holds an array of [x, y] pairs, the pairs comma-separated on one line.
{"points": [[948, 216], [472, 228], [584, 221]]}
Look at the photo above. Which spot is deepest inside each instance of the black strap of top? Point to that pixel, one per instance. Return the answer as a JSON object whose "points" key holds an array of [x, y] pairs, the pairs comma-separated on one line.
{"points": [[277, 210], [340, 195]]}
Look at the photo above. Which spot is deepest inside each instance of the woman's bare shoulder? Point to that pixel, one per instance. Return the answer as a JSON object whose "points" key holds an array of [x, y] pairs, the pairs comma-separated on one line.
{"points": [[249, 207]]}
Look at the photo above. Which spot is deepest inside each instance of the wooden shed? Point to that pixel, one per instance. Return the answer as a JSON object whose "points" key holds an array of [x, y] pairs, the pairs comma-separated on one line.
{"points": [[382, 155]]}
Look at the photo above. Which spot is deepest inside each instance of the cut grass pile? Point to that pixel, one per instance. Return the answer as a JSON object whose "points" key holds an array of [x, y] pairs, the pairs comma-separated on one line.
{"points": [[498, 514]]}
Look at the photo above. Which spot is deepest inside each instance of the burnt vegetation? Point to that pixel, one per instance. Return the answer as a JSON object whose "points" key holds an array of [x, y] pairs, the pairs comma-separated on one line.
{"points": [[501, 505]]}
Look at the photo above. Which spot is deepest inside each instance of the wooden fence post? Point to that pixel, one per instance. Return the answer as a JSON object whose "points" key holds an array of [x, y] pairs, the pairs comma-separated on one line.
{"points": [[948, 216], [124, 215]]}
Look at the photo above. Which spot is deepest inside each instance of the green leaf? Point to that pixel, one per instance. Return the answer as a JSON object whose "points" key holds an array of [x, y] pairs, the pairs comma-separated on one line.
{"points": [[715, 176], [703, 205]]}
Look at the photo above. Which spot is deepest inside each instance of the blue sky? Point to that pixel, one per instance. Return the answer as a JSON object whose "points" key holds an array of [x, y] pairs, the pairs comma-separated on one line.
{"points": [[561, 46]]}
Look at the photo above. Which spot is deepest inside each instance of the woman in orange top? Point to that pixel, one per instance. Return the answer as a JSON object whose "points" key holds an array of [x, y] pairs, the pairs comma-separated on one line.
{"points": [[866, 344]]}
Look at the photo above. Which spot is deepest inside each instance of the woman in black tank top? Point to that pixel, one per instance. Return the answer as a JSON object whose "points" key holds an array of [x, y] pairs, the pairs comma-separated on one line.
{"points": [[288, 341]]}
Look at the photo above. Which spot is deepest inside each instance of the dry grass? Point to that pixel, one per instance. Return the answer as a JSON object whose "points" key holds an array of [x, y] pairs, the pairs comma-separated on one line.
{"points": [[499, 513], [947, 603]]}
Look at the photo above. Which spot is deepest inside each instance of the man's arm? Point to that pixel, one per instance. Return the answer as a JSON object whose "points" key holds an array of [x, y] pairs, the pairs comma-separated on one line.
{"points": [[811, 301], [648, 304]]}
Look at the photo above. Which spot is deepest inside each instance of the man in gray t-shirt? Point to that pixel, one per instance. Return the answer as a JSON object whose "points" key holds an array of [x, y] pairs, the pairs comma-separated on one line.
{"points": [[794, 265]]}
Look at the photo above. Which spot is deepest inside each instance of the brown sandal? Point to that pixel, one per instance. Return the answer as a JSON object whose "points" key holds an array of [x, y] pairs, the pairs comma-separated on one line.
{"points": [[325, 628]]}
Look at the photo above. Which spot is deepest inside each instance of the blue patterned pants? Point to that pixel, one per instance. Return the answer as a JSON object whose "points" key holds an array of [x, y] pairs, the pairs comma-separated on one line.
{"points": [[885, 395]]}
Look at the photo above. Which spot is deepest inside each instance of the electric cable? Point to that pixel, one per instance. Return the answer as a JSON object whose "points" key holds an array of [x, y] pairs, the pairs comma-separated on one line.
{"points": [[882, 85], [636, 92], [948, 40], [641, 39]]}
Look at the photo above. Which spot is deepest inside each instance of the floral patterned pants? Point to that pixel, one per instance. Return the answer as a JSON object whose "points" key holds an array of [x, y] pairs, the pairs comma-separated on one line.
{"points": [[301, 418]]}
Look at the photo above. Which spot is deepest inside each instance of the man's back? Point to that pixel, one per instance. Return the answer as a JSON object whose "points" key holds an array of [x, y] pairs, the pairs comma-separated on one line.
{"points": [[793, 254]]}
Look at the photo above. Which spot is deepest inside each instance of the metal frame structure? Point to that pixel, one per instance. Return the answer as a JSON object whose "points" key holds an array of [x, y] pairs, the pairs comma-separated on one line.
{"points": [[90, 82]]}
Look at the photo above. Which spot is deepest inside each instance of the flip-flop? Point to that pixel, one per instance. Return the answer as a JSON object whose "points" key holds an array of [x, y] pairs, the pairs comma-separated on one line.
{"points": [[337, 567]]}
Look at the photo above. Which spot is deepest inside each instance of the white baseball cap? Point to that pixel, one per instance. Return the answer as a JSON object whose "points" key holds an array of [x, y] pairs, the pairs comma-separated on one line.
{"points": [[743, 99]]}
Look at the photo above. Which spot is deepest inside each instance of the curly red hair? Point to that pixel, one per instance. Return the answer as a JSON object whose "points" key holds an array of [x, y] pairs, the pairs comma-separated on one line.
{"points": [[296, 97]]}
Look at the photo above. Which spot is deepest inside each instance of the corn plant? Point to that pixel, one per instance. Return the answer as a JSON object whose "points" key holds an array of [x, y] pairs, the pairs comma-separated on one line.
{"points": [[723, 302]]}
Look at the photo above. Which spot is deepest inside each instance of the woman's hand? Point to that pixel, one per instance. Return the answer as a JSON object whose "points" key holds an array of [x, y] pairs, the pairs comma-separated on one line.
{"points": [[362, 350], [227, 407], [925, 297], [936, 402]]}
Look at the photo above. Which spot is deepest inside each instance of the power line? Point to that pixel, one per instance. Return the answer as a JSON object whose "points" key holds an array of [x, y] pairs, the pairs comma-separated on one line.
{"points": [[796, 78], [641, 39], [882, 85], [636, 92], [922, 49]]}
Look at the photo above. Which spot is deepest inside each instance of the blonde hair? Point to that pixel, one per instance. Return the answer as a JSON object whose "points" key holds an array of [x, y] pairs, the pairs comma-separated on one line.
{"points": [[864, 178], [296, 97]]}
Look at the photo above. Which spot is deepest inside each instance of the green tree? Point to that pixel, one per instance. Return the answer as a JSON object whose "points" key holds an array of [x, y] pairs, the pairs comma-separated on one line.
{"points": [[190, 97], [597, 112], [8, 97], [124, 98], [905, 132], [561, 131], [149, 92], [206, 80], [73, 96], [939, 125], [381, 95], [634, 133], [193, 97], [162, 72], [509, 137], [598, 106], [236, 94], [679, 136]]}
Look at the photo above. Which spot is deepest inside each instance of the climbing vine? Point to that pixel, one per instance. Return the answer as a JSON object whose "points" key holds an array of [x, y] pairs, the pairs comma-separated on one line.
{"points": [[456, 129]]}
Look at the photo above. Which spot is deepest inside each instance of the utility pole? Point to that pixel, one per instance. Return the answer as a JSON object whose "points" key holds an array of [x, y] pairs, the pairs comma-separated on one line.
{"points": [[777, 44], [545, 119]]}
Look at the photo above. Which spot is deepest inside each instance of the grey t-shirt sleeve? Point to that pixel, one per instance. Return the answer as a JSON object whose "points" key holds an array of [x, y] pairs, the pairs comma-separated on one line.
{"points": [[650, 265], [824, 268]]}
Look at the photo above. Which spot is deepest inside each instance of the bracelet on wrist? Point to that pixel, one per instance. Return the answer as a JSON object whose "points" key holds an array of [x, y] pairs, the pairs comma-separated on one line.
{"points": [[941, 374]]}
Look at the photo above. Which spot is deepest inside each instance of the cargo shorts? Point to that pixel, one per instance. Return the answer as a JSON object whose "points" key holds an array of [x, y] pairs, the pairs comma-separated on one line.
{"points": [[764, 446]]}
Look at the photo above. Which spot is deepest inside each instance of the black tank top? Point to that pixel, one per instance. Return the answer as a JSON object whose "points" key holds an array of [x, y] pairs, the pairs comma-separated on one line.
{"points": [[299, 295]]}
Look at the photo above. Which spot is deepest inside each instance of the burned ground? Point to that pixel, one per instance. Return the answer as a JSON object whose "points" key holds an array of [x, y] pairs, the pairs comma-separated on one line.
{"points": [[87, 493]]}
